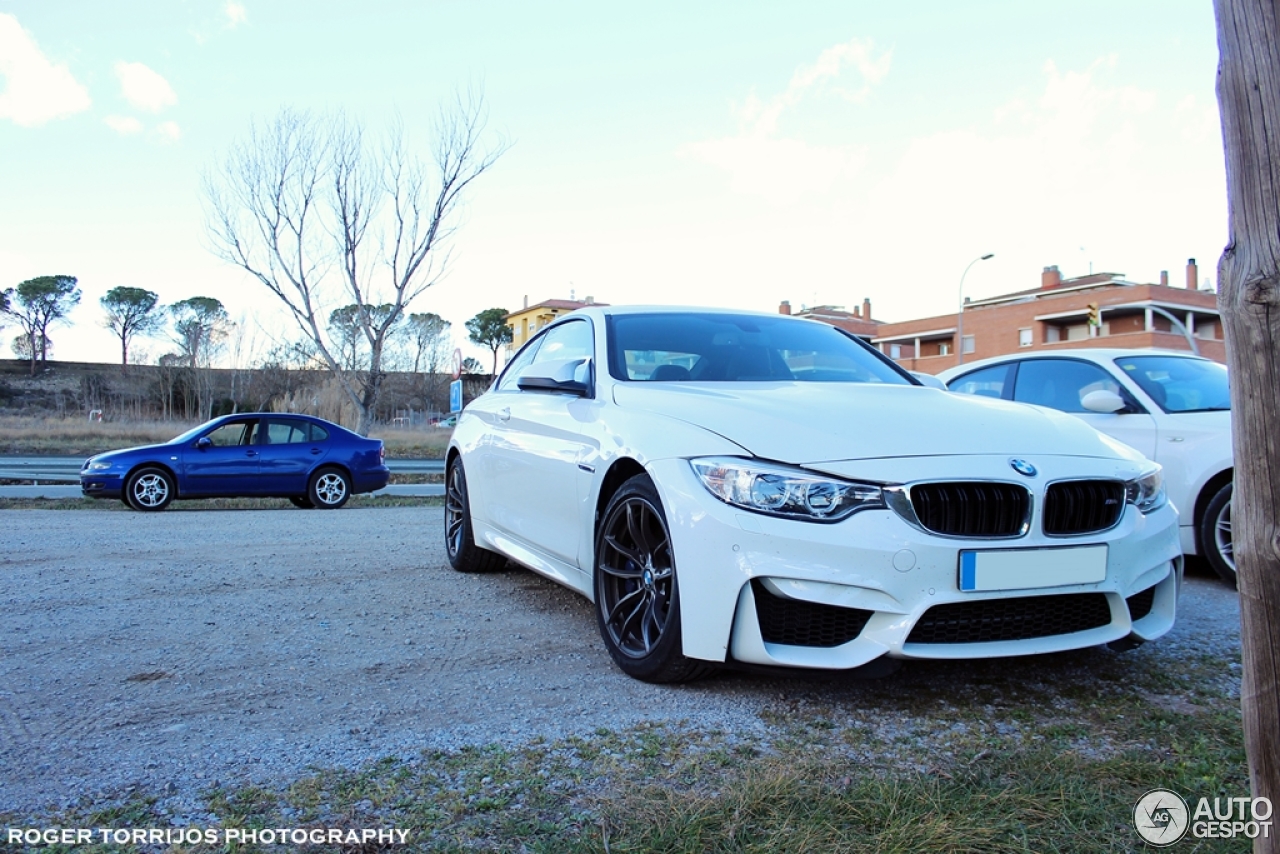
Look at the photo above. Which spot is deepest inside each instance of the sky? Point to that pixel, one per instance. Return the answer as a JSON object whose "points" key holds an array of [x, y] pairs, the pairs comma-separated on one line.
{"points": [[713, 153]]}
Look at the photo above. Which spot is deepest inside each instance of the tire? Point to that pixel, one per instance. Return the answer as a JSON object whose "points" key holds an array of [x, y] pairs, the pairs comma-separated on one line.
{"points": [[637, 595], [302, 502], [149, 489], [1215, 535], [460, 544], [329, 489]]}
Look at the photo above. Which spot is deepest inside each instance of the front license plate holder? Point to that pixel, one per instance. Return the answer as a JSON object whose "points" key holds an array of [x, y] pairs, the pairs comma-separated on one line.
{"points": [[1031, 569]]}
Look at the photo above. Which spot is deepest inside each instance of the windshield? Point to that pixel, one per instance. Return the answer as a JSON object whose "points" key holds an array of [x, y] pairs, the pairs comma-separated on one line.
{"points": [[698, 347], [1180, 384]]}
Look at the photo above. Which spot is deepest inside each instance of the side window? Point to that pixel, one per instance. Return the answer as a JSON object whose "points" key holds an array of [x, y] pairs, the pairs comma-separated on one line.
{"points": [[1061, 383], [518, 364], [994, 381], [235, 433], [282, 432], [318, 433], [570, 340]]}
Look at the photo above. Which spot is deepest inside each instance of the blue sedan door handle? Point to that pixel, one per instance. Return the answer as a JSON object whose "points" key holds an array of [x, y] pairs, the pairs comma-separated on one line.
{"points": [[315, 451], [250, 453]]}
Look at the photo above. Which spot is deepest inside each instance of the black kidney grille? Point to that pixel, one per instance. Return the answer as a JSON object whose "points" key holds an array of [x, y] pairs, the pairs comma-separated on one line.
{"points": [[797, 623], [1011, 619], [971, 509], [1082, 506], [1140, 603]]}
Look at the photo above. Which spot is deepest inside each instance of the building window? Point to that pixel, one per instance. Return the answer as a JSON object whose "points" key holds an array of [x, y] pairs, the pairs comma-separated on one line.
{"points": [[966, 345], [944, 349], [1024, 337], [895, 351]]}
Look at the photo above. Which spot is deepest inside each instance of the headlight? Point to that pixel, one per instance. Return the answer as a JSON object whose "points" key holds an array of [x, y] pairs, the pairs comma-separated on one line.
{"points": [[1146, 492], [96, 466], [791, 493]]}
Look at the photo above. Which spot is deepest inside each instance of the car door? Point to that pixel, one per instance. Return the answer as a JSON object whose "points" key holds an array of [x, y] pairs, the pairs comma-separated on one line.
{"points": [[532, 487], [290, 448], [223, 461], [1062, 383]]}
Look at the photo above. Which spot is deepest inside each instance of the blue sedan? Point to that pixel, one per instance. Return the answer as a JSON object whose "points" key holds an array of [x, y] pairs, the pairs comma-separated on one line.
{"points": [[312, 462]]}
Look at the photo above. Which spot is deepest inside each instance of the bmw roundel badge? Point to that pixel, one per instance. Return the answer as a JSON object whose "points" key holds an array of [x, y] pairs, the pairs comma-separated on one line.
{"points": [[1023, 467]]}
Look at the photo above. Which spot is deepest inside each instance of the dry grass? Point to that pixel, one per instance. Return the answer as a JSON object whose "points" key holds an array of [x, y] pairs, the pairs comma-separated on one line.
{"points": [[80, 437]]}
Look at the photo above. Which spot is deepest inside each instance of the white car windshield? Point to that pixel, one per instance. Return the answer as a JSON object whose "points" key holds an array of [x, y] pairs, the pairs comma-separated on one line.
{"points": [[698, 347], [1179, 384]]}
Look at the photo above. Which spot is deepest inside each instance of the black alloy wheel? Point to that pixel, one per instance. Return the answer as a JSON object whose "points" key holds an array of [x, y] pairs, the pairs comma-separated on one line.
{"points": [[464, 554], [637, 596], [1215, 535]]}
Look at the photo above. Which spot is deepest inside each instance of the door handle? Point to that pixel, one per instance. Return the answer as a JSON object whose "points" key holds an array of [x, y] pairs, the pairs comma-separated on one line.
{"points": [[315, 451], [250, 453], [504, 414]]}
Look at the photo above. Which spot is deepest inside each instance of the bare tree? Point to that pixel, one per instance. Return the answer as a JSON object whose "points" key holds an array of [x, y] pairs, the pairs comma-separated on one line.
{"points": [[1249, 298], [324, 218]]}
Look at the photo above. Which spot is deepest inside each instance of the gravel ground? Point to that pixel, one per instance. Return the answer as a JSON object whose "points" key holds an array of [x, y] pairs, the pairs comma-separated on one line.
{"points": [[179, 650]]}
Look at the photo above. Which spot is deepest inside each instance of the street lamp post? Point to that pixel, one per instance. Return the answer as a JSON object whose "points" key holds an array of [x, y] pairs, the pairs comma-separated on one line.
{"points": [[960, 312]]}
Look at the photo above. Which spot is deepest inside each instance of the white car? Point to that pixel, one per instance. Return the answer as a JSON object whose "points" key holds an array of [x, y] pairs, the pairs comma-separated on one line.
{"points": [[1173, 407], [761, 490]]}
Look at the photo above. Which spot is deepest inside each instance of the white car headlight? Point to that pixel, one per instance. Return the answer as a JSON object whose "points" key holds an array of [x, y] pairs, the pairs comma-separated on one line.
{"points": [[791, 493], [1146, 492]]}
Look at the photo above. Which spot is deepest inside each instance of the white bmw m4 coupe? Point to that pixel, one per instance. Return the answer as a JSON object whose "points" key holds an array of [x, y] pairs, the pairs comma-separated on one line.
{"points": [[757, 490]]}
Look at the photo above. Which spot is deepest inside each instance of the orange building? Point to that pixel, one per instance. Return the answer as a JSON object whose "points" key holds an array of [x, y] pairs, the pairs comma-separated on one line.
{"points": [[1056, 316], [526, 322]]}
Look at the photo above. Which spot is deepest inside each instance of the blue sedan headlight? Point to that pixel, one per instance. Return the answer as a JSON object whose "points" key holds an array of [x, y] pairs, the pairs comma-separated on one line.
{"points": [[98, 466], [1146, 492], [791, 493]]}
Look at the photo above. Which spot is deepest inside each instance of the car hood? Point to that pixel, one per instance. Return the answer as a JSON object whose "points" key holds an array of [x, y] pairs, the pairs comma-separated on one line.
{"points": [[126, 453], [808, 423]]}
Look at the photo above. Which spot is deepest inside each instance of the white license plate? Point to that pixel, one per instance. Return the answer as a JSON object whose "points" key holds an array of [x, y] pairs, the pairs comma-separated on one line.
{"points": [[1028, 569]]}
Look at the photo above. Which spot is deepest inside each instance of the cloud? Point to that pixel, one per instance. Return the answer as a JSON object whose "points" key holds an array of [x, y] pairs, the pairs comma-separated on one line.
{"points": [[144, 88], [36, 90], [759, 162], [123, 125], [236, 14], [168, 132]]}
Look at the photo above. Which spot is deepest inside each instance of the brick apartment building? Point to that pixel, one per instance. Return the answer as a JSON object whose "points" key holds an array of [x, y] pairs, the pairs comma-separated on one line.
{"points": [[1055, 316]]}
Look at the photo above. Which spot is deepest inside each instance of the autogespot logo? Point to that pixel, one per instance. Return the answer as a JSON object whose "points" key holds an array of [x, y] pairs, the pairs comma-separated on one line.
{"points": [[1161, 817], [1023, 467]]}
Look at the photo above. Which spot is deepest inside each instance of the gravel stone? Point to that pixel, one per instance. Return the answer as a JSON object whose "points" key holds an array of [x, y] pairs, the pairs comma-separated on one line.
{"points": [[176, 651]]}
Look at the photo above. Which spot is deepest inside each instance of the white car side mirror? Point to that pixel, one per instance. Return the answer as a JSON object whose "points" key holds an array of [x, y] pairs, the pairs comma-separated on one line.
{"points": [[1103, 401], [572, 376]]}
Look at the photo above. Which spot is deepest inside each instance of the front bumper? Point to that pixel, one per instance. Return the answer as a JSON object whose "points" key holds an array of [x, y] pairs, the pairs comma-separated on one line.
{"points": [[101, 485], [893, 589]]}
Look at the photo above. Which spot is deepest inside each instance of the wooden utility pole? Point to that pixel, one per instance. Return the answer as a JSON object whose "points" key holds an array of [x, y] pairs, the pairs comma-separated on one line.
{"points": [[1249, 298]]}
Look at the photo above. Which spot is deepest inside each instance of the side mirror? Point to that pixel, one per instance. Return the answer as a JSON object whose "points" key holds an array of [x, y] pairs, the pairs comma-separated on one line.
{"points": [[929, 380], [204, 442], [567, 376], [1106, 402]]}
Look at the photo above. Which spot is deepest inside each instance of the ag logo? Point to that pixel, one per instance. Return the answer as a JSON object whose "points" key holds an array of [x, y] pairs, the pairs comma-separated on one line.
{"points": [[1161, 817]]}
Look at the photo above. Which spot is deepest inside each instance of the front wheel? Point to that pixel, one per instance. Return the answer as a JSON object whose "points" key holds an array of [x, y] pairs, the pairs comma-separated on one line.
{"points": [[330, 489], [149, 489], [1215, 535], [637, 597]]}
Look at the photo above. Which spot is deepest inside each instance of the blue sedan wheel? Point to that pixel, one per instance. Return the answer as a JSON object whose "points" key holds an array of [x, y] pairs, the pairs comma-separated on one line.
{"points": [[330, 489], [149, 489]]}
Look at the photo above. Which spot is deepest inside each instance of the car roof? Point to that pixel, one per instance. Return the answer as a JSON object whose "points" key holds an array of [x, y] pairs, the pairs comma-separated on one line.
{"points": [[1092, 354]]}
